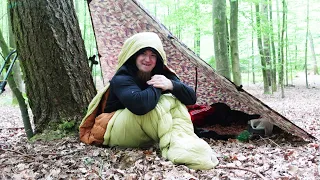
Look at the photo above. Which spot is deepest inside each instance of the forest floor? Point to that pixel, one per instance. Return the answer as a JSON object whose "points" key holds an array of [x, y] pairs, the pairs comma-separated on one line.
{"points": [[273, 158]]}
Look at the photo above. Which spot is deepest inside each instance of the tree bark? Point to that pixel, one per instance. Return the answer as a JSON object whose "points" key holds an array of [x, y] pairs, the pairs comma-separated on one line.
{"points": [[315, 66], [266, 41], [252, 48], [306, 47], [178, 25], [220, 38], [287, 45], [281, 72], [273, 50], [197, 34], [236, 72], [279, 40], [59, 84], [261, 51], [16, 91], [16, 72]]}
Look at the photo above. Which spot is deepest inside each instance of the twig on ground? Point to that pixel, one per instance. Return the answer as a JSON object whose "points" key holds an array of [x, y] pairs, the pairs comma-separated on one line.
{"points": [[270, 141], [22, 154], [244, 169], [61, 143]]}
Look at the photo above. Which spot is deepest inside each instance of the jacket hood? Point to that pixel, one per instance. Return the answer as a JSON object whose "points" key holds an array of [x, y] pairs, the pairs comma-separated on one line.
{"points": [[140, 41]]}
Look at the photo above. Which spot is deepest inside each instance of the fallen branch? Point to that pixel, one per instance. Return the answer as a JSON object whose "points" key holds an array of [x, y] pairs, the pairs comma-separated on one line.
{"points": [[244, 169]]}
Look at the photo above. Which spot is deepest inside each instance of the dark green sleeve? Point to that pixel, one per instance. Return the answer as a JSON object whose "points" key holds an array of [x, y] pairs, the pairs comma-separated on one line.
{"points": [[183, 92]]}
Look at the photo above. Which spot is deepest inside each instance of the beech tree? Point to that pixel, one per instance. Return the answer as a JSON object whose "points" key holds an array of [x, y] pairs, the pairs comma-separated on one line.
{"points": [[58, 80], [261, 51], [220, 38], [236, 71]]}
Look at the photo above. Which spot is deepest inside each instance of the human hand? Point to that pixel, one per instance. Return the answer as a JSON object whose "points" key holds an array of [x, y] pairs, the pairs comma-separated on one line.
{"points": [[160, 81]]}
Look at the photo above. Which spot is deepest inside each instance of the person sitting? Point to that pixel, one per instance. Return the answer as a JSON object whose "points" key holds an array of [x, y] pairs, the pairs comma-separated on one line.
{"points": [[145, 102]]}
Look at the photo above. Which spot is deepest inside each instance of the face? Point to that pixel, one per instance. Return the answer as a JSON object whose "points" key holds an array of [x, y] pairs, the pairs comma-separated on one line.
{"points": [[146, 61]]}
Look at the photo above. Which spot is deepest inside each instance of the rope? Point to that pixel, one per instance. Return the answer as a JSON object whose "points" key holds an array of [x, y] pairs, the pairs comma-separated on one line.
{"points": [[196, 85]]}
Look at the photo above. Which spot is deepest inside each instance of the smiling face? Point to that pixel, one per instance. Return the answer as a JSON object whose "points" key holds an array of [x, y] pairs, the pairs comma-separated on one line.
{"points": [[146, 61]]}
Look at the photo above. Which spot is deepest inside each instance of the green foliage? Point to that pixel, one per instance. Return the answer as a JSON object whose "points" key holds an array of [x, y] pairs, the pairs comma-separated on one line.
{"points": [[181, 15], [212, 62], [5, 100], [217, 21], [49, 135], [244, 136], [67, 125], [57, 131]]}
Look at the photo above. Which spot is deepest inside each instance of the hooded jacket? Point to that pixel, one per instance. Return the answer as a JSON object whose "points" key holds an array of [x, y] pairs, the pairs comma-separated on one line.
{"points": [[127, 91]]}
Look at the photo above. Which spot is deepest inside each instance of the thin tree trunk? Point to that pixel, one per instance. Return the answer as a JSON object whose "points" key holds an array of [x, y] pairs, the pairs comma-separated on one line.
{"points": [[315, 66], [178, 25], [197, 35], [236, 72], [155, 8], [1, 54], [18, 94], [281, 74], [85, 22], [286, 58], [273, 50], [17, 76], [266, 42], [279, 39], [306, 47], [220, 38], [262, 56], [58, 80], [252, 45]]}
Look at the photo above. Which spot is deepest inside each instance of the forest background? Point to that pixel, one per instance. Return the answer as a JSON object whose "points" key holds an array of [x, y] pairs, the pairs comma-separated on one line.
{"points": [[181, 18]]}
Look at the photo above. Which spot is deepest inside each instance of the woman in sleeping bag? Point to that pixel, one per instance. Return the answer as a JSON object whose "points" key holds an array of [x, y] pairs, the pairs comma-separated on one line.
{"points": [[145, 103]]}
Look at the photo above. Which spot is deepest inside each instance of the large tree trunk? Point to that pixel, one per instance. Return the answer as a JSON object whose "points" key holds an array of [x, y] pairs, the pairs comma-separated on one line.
{"points": [[262, 56], [220, 38], [59, 84], [236, 72]]}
